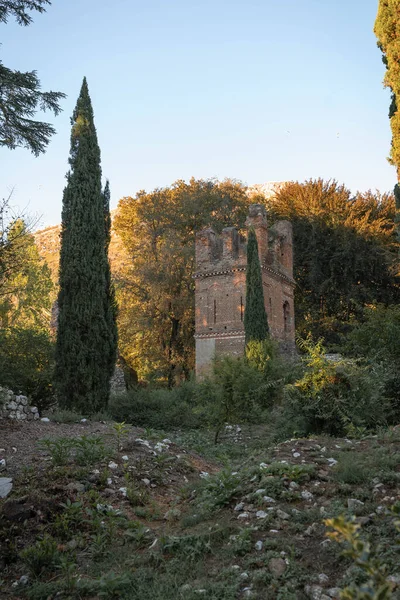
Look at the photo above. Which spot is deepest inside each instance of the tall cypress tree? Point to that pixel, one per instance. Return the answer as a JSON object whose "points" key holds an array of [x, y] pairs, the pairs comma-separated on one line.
{"points": [[255, 317], [86, 334]]}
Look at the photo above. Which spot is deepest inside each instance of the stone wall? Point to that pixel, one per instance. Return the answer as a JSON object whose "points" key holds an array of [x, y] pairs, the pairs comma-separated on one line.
{"points": [[16, 407]]}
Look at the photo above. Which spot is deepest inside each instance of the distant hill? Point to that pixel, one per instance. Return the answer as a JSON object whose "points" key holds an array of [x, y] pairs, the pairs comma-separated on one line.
{"points": [[48, 243]]}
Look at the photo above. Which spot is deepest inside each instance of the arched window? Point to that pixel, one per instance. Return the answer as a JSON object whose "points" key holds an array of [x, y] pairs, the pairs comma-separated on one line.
{"points": [[286, 317]]}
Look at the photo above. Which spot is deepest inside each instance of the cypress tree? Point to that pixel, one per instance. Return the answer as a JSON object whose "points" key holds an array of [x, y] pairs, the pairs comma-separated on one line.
{"points": [[255, 317], [86, 334]]}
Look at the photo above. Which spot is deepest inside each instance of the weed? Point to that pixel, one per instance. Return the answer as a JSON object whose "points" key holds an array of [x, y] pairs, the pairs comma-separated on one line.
{"points": [[120, 432], [58, 448], [42, 556], [89, 450]]}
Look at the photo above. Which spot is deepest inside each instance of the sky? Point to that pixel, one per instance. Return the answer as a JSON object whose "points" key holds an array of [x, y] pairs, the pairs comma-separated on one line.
{"points": [[256, 90]]}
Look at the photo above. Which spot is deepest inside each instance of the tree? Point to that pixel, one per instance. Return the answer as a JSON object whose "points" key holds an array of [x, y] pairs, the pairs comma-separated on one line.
{"points": [[25, 289], [86, 335], [345, 253], [387, 31], [20, 92], [255, 317], [155, 287]]}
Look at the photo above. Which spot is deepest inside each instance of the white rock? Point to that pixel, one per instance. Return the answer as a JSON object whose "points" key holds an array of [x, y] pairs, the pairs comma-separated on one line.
{"points": [[273, 531], [12, 405], [243, 515], [260, 514], [244, 576], [123, 491], [83, 420], [45, 420], [125, 457], [332, 462], [34, 409], [239, 506], [204, 474], [23, 580], [109, 481], [259, 545], [269, 500], [263, 465], [112, 465], [296, 454], [3, 464], [293, 485], [260, 492], [5, 486], [323, 578], [146, 481], [307, 495], [167, 441]]}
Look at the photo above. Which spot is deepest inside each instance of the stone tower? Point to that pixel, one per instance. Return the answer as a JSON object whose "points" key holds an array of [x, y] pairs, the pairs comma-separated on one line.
{"points": [[220, 281]]}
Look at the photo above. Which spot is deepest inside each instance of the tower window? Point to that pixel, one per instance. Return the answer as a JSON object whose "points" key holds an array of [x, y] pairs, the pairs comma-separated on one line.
{"points": [[241, 308], [286, 317]]}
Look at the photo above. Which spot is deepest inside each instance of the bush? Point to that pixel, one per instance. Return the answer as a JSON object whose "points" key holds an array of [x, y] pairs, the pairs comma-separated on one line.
{"points": [[26, 363], [158, 408], [332, 395]]}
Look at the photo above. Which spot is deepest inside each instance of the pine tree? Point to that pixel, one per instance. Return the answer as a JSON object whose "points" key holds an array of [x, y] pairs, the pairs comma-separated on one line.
{"points": [[255, 317], [86, 335], [20, 92]]}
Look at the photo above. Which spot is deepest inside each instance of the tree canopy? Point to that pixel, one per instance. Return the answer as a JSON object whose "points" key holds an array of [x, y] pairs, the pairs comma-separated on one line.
{"points": [[20, 92]]}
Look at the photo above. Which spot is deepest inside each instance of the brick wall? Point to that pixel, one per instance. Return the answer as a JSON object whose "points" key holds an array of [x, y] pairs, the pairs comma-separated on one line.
{"points": [[220, 284]]}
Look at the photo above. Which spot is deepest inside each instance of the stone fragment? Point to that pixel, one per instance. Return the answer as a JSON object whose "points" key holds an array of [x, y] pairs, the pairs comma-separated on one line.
{"points": [[293, 485], [45, 420], [269, 500], [260, 514], [259, 545], [282, 514], [307, 495], [125, 457], [3, 464], [244, 515], [354, 505], [323, 578], [277, 566], [239, 506], [112, 465], [314, 592], [260, 492], [5, 486]]}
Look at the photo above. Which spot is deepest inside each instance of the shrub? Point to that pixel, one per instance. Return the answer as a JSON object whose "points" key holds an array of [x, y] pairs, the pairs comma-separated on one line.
{"points": [[331, 395], [159, 408], [26, 363]]}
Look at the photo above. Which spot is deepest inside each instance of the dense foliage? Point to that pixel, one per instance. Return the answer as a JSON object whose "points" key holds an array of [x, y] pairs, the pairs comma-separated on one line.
{"points": [[345, 253], [20, 93], [387, 31], [86, 336], [155, 287], [255, 316]]}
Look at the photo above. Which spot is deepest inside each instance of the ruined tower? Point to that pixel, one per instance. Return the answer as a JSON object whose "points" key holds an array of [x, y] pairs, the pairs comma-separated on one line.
{"points": [[220, 281]]}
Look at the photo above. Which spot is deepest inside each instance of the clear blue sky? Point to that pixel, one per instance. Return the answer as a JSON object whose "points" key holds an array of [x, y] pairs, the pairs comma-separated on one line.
{"points": [[258, 90]]}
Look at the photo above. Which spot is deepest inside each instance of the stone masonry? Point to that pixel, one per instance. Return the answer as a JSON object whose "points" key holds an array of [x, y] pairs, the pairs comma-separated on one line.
{"points": [[220, 282]]}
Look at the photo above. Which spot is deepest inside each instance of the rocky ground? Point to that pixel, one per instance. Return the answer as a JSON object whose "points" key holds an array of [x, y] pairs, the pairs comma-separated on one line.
{"points": [[101, 511]]}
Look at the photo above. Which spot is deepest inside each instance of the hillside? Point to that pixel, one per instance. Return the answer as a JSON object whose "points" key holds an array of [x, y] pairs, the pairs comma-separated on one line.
{"points": [[48, 243]]}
